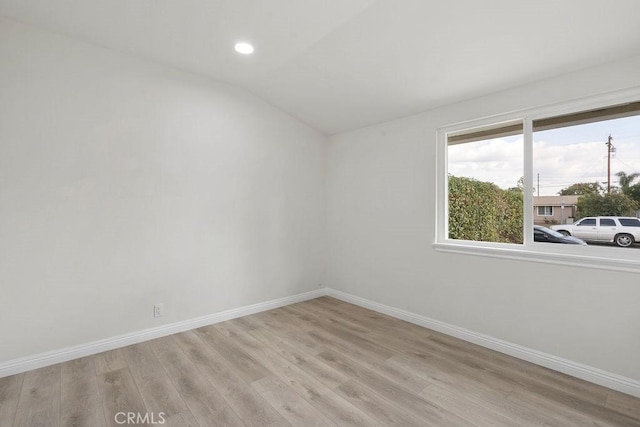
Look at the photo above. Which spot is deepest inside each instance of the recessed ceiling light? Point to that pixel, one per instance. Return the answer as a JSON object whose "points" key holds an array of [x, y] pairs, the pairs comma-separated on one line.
{"points": [[244, 48]]}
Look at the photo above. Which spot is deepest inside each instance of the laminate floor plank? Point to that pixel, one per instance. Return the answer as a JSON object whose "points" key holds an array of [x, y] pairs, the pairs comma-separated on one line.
{"points": [[332, 341], [185, 419], [557, 414], [469, 349], [448, 377], [353, 316], [314, 316], [359, 340], [394, 392], [437, 364], [297, 332], [120, 395], [376, 406], [368, 352], [321, 397], [108, 361], [371, 319], [467, 408], [156, 389], [520, 372], [275, 320], [592, 392], [396, 340], [205, 403], [252, 408], [572, 410], [490, 372], [246, 323], [39, 402], [292, 320], [254, 347], [326, 401], [10, 388], [307, 362], [296, 410], [288, 348], [247, 367], [81, 402], [394, 334], [624, 404], [318, 362]]}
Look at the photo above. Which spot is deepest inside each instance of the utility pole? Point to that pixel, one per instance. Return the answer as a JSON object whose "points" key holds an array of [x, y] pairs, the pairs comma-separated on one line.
{"points": [[538, 185], [610, 149]]}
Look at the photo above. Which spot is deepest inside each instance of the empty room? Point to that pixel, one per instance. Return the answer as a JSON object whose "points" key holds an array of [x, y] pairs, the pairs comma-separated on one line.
{"points": [[310, 212]]}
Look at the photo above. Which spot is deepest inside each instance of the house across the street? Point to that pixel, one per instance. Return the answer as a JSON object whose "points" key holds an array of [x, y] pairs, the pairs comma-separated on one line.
{"points": [[548, 210]]}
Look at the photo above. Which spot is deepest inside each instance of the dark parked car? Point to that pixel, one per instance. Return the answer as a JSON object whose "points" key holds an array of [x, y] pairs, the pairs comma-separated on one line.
{"points": [[544, 234]]}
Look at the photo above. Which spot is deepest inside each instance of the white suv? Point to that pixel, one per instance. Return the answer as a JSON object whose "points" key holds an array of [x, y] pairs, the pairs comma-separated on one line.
{"points": [[621, 230]]}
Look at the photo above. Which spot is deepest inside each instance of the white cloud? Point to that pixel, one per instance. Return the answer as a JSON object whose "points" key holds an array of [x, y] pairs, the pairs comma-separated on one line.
{"points": [[498, 160], [561, 157]]}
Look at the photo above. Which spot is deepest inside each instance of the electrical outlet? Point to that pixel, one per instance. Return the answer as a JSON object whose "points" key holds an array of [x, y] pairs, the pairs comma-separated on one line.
{"points": [[158, 310]]}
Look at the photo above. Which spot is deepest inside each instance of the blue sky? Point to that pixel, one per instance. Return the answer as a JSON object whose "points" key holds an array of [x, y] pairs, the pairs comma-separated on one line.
{"points": [[561, 156]]}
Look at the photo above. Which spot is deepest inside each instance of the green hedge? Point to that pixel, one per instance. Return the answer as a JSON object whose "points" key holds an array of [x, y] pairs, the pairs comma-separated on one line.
{"points": [[482, 211]]}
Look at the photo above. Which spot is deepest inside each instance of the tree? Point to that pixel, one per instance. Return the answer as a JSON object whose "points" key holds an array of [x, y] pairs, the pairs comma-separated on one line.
{"points": [[626, 180], [615, 204], [482, 211], [632, 191], [582, 188]]}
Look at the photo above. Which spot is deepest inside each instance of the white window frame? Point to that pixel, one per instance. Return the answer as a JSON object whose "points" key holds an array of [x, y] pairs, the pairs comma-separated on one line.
{"points": [[544, 214], [602, 257]]}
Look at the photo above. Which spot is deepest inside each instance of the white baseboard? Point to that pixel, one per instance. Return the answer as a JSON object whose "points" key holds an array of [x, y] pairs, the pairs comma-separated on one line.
{"points": [[17, 366], [587, 373]]}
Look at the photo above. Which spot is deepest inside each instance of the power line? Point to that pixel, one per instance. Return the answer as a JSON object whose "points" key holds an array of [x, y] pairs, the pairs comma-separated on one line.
{"points": [[626, 164]]}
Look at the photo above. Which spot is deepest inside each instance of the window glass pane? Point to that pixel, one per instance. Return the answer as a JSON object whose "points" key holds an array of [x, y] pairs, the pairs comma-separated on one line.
{"points": [[630, 222], [578, 160], [589, 162], [485, 172]]}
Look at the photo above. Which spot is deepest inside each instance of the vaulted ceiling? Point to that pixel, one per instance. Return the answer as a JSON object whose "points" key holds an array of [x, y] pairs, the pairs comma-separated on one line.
{"points": [[342, 64]]}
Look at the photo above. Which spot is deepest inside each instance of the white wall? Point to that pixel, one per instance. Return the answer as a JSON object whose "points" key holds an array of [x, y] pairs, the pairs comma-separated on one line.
{"points": [[124, 183], [381, 226]]}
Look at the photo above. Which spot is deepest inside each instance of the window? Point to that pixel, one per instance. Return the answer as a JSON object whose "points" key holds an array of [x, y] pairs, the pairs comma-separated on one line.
{"points": [[491, 169], [607, 222], [629, 222], [485, 184], [545, 210]]}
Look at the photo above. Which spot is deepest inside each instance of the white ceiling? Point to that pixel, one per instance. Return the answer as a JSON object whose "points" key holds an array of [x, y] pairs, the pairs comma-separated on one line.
{"points": [[342, 64]]}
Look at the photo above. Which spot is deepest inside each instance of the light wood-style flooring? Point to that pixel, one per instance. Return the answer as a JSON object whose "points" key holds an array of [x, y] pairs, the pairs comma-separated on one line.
{"points": [[319, 362]]}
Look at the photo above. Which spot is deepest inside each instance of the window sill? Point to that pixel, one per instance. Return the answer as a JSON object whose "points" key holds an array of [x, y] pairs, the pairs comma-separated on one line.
{"points": [[603, 258]]}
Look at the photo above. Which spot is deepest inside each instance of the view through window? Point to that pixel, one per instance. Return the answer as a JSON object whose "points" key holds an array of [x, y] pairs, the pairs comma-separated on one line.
{"points": [[486, 184], [586, 177]]}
